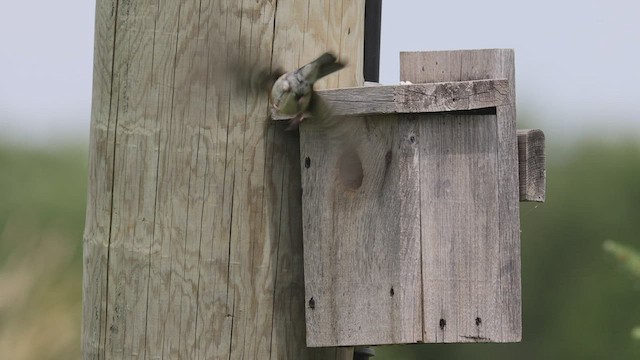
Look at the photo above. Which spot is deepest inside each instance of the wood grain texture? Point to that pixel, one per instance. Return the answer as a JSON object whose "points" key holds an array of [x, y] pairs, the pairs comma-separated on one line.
{"points": [[496, 299], [340, 29], [459, 213], [422, 214], [100, 186], [361, 233], [414, 98], [192, 245], [532, 165], [413, 219]]}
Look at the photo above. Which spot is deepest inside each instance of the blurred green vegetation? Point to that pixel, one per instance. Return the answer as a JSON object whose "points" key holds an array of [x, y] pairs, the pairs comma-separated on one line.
{"points": [[630, 258], [578, 302], [627, 256], [42, 202]]}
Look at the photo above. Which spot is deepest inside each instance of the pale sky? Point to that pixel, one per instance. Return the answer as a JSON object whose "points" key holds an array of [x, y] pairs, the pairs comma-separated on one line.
{"points": [[577, 62]]}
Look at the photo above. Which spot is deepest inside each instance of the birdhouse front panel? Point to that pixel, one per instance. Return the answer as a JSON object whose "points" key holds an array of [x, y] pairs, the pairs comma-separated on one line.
{"points": [[410, 221]]}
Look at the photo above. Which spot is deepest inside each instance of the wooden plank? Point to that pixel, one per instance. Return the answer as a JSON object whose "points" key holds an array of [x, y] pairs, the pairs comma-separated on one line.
{"points": [[497, 301], [361, 232], [501, 62], [531, 165], [193, 240], [459, 212], [414, 98]]}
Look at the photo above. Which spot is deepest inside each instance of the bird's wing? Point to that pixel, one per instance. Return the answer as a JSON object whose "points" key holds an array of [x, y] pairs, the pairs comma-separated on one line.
{"points": [[249, 77], [325, 123], [258, 80]]}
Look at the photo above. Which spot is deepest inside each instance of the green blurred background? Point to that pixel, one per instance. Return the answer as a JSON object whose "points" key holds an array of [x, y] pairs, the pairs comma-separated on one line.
{"points": [[42, 203], [578, 301]]}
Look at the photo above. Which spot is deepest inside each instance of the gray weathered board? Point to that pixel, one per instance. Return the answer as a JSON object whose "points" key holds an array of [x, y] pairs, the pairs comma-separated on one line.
{"points": [[531, 165], [413, 98], [411, 221]]}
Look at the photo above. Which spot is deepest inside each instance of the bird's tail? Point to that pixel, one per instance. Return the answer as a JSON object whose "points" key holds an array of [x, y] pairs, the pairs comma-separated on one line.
{"points": [[327, 63]]}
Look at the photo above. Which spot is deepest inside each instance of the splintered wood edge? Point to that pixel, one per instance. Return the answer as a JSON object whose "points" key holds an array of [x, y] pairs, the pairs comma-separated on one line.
{"points": [[414, 98], [531, 165]]}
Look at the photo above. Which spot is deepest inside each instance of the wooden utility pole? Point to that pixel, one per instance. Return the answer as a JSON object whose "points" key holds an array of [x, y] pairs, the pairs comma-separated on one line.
{"points": [[192, 246]]}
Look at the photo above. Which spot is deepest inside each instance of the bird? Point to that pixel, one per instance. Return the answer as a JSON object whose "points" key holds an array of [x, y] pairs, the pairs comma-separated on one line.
{"points": [[291, 93]]}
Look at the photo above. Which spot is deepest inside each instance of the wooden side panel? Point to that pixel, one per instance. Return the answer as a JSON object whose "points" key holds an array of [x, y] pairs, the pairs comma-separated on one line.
{"points": [[362, 237], [468, 65], [532, 165]]}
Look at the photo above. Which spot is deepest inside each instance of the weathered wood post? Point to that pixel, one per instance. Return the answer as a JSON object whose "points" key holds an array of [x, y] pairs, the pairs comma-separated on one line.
{"points": [[192, 246]]}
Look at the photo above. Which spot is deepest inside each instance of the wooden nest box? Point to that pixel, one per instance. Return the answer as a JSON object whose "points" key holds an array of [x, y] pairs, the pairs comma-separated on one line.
{"points": [[411, 227]]}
